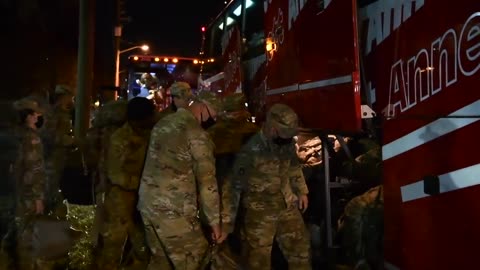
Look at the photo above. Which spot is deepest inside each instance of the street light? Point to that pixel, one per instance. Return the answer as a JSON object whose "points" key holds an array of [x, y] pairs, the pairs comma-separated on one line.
{"points": [[117, 65]]}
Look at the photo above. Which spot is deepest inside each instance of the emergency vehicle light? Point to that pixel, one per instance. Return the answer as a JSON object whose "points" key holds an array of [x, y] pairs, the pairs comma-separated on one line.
{"points": [[271, 46]]}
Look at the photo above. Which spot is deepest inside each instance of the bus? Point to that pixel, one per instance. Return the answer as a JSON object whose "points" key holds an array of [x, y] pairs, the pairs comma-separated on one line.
{"points": [[411, 65], [159, 72]]}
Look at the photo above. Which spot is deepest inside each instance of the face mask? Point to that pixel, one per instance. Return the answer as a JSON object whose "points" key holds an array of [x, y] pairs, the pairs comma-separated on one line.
{"points": [[209, 122], [281, 141], [174, 107], [39, 122]]}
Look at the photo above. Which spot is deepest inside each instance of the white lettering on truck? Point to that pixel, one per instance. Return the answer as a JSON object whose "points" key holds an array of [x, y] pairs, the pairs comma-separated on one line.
{"points": [[294, 9], [379, 15], [435, 69]]}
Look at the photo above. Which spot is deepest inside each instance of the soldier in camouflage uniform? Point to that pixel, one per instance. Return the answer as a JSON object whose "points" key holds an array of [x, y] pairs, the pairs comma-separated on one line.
{"points": [[231, 131], [180, 94], [113, 116], [58, 133], [270, 181], [9, 145], [233, 128], [178, 181], [30, 181], [126, 156], [361, 230], [109, 118], [92, 145]]}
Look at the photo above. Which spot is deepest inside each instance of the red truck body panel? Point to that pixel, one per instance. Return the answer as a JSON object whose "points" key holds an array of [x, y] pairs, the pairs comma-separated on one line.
{"points": [[419, 66], [314, 66]]}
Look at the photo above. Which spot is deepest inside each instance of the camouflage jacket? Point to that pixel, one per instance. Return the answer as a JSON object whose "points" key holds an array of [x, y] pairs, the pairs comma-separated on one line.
{"points": [[126, 155], [30, 168], [9, 145], [179, 174], [229, 134], [92, 147], [58, 128], [106, 133], [266, 176], [165, 112]]}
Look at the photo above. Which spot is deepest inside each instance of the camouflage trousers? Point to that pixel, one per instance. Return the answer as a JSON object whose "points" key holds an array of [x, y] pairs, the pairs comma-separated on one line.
{"points": [[54, 169], [225, 258], [25, 253], [6, 213], [177, 242], [18, 246], [115, 233], [7, 232], [261, 228]]}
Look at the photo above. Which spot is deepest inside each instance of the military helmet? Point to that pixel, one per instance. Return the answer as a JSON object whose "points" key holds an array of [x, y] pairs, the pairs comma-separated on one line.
{"points": [[114, 112], [41, 101], [181, 90], [284, 119], [210, 99], [61, 89], [28, 104], [234, 102]]}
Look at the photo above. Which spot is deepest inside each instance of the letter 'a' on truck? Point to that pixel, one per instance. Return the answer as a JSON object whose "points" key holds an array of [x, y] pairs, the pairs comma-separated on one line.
{"points": [[415, 63]]}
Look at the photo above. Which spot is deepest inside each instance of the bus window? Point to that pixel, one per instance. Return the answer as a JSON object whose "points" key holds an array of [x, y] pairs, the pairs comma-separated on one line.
{"points": [[254, 34]]}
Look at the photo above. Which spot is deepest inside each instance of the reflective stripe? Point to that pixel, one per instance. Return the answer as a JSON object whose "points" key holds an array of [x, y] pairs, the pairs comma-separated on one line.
{"points": [[455, 180], [310, 85], [215, 78], [282, 90], [328, 82], [431, 131]]}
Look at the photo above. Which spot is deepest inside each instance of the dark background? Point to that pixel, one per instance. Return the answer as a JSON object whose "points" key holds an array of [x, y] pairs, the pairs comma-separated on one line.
{"points": [[172, 27], [39, 38]]}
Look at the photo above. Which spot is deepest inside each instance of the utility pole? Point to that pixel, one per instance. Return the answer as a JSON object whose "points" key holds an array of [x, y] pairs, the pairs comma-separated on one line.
{"points": [[118, 38], [85, 67]]}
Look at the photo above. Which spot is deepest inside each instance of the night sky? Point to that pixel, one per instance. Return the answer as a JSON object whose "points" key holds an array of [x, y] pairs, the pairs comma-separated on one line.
{"points": [[170, 26]]}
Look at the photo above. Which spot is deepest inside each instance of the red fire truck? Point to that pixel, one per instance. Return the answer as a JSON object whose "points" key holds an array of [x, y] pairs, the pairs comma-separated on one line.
{"points": [[415, 63]]}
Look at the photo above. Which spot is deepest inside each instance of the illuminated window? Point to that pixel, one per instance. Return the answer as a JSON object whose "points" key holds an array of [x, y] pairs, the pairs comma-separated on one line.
{"points": [[238, 10]]}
